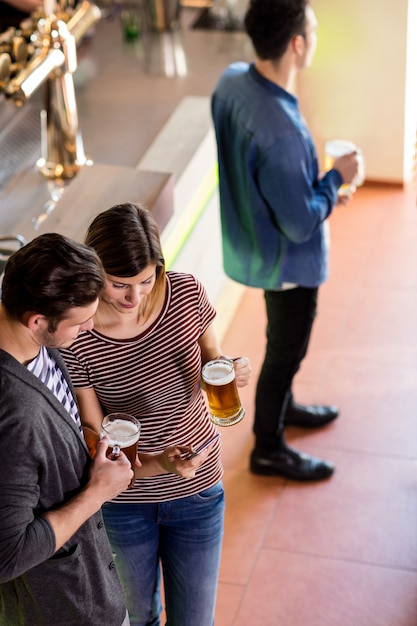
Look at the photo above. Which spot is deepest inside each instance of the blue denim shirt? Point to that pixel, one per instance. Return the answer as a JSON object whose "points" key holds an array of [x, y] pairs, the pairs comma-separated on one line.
{"points": [[273, 206]]}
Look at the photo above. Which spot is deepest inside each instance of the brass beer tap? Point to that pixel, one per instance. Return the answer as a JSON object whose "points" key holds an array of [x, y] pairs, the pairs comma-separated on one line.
{"points": [[46, 55]]}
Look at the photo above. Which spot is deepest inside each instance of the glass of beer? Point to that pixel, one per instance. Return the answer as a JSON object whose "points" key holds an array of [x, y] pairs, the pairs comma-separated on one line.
{"points": [[123, 432], [222, 395], [336, 148]]}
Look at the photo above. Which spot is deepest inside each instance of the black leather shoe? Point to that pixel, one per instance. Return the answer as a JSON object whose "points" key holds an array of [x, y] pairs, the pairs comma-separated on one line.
{"points": [[311, 416], [290, 463]]}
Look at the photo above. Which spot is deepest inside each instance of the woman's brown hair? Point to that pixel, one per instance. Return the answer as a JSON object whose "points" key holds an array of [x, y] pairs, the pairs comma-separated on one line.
{"points": [[126, 238]]}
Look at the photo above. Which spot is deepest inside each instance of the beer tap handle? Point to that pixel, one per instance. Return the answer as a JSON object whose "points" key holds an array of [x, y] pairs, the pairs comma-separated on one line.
{"points": [[5, 68]]}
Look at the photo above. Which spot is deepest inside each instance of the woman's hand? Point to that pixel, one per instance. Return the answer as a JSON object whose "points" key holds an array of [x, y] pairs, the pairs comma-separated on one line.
{"points": [[243, 370], [171, 461], [174, 460]]}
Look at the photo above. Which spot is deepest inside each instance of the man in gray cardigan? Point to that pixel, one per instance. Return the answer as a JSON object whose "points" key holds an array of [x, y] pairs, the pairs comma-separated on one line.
{"points": [[56, 566]]}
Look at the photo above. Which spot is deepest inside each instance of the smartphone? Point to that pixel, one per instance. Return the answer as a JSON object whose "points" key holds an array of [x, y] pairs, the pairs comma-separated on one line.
{"points": [[201, 448]]}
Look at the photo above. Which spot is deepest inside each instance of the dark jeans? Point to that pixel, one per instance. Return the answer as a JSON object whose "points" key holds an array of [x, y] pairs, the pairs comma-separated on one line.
{"points": [[290, 316]]}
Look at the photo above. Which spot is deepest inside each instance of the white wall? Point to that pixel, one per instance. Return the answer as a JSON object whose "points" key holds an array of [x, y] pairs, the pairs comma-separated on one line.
{"points": [[356, 88], [410, 148]]}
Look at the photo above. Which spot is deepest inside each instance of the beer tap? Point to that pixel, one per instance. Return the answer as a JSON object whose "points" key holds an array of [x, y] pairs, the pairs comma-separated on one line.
{"points": [[48, 58]]}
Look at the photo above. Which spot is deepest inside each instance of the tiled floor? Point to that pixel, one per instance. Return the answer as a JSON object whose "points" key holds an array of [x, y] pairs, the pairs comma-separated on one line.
{"points": [[342, 552]]}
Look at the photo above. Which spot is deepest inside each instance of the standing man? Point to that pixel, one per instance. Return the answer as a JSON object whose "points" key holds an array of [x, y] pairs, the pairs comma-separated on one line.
{"points": [[274, 207], [56, 566]]}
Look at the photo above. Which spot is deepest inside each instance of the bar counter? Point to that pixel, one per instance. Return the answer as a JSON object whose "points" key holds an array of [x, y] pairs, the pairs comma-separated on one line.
{"points": [[128, 95]]}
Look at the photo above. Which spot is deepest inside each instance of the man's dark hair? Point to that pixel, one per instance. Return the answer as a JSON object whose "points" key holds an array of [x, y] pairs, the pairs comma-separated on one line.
{"points": [[50, 275], [271, 24]]}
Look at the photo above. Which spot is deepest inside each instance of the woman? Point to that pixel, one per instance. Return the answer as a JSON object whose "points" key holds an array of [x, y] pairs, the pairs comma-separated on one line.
{"points": [[153, 331]]}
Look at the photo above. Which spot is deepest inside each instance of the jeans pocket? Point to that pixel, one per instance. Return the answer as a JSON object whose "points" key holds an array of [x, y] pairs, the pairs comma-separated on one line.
{"points": [[212, 493]]}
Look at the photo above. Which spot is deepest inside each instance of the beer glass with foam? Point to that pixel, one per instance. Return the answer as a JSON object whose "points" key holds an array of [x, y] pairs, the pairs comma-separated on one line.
{"points": [[123, 432], [336, 148], [222, 394]]}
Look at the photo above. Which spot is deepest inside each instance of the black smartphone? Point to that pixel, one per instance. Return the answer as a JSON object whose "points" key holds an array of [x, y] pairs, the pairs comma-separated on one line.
{"points": [[201, 448]]}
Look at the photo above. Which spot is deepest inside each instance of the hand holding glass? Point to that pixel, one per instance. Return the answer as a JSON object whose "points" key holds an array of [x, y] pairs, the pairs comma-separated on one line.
{"points": [[222, 394], [123, 431], [337, 148]]}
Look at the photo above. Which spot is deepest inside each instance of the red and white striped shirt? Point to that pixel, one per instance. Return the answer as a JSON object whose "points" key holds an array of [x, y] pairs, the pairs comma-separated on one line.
{"points": [[156, 377]]}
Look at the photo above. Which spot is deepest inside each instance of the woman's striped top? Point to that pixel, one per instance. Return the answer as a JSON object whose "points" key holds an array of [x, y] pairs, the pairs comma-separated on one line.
{"points": [[156, 377]]}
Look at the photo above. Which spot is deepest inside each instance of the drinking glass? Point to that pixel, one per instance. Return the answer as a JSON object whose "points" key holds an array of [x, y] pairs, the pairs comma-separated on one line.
{"points": [[336, 148], [222, 394], [123, 431]]}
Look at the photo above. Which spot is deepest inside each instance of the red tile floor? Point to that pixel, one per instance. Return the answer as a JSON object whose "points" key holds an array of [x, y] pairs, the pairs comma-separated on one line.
{"points": [[341, 552]]}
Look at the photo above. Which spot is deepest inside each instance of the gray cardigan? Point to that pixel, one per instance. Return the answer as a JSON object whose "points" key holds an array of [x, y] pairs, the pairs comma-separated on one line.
{"points": [[43, 462]]}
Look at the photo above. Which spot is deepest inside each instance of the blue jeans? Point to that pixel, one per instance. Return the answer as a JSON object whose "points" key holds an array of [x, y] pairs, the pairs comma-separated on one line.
{"points": [[184, 536]]}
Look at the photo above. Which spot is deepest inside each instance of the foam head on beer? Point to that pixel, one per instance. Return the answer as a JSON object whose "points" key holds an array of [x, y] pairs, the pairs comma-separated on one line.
{"points": [[219, 373], [122, 433]]}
